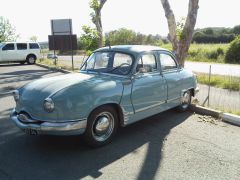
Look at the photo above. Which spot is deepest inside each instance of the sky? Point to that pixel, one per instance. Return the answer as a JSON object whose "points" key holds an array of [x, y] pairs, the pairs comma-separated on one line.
{"points": [[32, 17]]}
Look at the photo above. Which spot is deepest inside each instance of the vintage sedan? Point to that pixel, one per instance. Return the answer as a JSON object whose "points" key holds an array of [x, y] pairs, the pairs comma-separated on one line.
{"points": [[116, 86]]}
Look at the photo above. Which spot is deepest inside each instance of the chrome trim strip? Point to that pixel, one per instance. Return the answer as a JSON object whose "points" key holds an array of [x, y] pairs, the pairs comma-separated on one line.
{"points": [[149, 107], [173, 99], [126, 115], [50, 126]]}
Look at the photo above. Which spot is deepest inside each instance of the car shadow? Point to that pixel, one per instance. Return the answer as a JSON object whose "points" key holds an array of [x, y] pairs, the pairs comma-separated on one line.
{"points": [[54, 157]]}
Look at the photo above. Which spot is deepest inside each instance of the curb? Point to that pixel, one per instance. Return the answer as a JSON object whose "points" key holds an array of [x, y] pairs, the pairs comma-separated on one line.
{"points": [[53, 68], [6, 94], [227, 117]]}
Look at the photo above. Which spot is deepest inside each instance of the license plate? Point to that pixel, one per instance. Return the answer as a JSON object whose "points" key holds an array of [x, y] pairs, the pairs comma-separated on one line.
{"points": [[31, 131]]}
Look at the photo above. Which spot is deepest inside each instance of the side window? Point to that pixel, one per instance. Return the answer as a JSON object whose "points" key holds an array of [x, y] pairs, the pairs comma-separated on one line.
{"points": [[8, 47], [122, 60], [148, 63], [33, 46], [21, 46], [167, 62]]}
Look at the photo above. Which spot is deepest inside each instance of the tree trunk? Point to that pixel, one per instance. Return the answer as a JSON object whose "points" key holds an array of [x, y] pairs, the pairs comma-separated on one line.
{"points": [[181, 45], [97, 20]]}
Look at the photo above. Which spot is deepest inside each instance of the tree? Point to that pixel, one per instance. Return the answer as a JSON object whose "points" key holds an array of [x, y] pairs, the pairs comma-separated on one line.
{"points": [[97, 6], [7, 31], [33, 38], [89, 39], [181, 43]]}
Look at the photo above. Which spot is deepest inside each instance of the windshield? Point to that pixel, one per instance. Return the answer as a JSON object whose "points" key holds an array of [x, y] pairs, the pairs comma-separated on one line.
{"points": [[109, 62], [1, 45]]}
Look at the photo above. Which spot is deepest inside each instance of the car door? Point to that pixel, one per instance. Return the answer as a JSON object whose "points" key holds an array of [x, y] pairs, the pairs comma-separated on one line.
{"points": [[149, 88], [172, 74], [21, 52], [8, 52]]}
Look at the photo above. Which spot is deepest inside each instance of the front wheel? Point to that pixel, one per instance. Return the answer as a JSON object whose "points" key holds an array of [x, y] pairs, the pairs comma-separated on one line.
{"points": [[101, 127], [185, 101]]}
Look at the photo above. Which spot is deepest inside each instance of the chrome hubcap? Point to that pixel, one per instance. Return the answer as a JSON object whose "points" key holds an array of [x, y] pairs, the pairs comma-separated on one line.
{"points": [[186, 99], [103, 126]]}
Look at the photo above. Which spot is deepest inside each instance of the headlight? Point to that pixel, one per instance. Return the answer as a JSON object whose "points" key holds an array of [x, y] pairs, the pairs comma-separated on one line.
{"points": [[16, 95], [48, 105]]}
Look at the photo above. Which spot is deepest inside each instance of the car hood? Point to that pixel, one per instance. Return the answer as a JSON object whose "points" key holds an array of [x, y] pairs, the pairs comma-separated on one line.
{"points": [[46, 87]]}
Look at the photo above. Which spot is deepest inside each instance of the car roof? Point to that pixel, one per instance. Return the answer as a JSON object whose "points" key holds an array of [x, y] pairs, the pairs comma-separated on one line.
{"points": [[18, 42], [132, 48]]}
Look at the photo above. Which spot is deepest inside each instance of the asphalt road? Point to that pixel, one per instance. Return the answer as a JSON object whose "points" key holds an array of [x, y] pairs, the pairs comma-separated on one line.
{"points": [[170, 145], [200, 67]]}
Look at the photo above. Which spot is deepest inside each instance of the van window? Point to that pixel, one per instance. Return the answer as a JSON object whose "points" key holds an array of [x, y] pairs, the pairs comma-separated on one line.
{"points": [[9, 46], [21, 46], [34, 46]]}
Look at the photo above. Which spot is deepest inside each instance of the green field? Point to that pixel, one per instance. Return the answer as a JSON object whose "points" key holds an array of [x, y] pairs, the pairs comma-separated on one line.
{"points": [[205, 52]]}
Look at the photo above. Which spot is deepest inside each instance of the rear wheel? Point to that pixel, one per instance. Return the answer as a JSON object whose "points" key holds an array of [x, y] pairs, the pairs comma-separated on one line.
{"points": [[31, 59], [101, 127], [186, 101]]}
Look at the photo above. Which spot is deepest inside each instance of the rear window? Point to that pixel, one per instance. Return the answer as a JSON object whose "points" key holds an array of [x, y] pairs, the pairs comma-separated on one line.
{"points": [[21, 46], [33, 46]]}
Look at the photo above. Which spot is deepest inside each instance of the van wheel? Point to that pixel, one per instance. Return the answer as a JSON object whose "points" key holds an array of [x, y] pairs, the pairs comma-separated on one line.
{"points": [[31, 59], [101, 126], [186, 101]]}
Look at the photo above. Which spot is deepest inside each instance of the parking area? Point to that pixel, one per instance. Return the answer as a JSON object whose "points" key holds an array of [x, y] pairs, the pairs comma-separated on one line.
{"points": [[170, 145]]}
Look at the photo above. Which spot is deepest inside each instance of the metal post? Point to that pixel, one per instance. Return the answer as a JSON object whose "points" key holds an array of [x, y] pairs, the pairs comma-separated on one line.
{"points": [[54, 52], [70, 23], [209, 80]]}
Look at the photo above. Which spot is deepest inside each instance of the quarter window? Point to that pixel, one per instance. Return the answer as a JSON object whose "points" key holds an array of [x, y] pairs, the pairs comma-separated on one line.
{"points": [[34, 46], [8, 47], [167, 62], [21, 46], [148, 63]]}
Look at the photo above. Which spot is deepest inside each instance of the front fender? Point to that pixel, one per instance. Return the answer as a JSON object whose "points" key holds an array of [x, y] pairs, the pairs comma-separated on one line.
{"points": [[77, 102]]}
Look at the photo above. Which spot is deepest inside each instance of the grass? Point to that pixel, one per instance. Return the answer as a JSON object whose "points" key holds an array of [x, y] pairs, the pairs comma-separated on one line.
{"points": [[225, 82], [205, 52], [50, 63]]}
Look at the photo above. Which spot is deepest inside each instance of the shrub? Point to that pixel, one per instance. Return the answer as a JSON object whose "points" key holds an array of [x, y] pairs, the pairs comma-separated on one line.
{"points": [[233, 52]]}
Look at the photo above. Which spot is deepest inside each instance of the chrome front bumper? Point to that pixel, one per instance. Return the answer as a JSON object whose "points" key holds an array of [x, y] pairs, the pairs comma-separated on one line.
{"points": [[196, 90], [55, 128]]}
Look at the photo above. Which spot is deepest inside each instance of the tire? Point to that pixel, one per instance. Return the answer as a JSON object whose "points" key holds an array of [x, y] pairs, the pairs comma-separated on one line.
{"points": [[185, 101], [31, 59], [102, 125]]}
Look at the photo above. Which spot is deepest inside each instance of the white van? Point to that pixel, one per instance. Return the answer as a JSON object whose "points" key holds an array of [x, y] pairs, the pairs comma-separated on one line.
{"points": [[19, 52]]}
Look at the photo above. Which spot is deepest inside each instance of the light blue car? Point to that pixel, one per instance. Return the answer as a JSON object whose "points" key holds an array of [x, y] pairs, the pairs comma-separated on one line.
{"points": [[116, 86]]}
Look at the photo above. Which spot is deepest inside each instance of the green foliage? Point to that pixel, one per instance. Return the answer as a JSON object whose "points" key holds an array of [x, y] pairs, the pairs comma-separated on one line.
{"points": [[89, 39], [236, 30], [233, 52], [225, 82], [130, 37], [215, 35], [94, 4], [180, 27], [7, 31]]}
